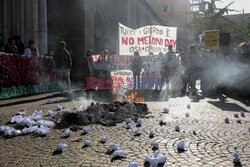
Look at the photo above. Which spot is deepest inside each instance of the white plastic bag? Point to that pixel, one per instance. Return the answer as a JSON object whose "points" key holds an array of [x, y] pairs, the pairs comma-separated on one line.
{"points": [[30, 129], [120, 153], [45, 123], [36, 115], [16, 119], [42, 130], [61, 147]]}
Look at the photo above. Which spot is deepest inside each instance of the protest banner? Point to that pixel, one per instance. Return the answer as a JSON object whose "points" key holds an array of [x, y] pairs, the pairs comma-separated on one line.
{"points": [[115, 71], [24, 75], [211, 40], [152, 38]]}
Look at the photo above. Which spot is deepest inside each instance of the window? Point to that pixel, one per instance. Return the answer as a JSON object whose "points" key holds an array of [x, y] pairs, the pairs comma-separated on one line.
{"points": [[195, 2], [195, 8], [165, 8]]}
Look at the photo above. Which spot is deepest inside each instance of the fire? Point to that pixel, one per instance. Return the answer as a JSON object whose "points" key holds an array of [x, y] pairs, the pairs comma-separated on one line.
{"points": [[132, 97]]}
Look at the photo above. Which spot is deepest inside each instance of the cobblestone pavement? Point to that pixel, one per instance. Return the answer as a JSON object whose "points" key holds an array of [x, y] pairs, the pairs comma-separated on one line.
{"points": [[212, 146]]}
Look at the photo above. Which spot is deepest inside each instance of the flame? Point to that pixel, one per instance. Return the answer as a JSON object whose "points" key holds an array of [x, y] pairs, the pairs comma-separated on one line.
{"points": [[132, 97]]}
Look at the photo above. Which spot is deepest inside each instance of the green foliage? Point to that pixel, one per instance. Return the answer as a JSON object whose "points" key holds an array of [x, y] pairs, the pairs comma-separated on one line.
{"points": [[210, 17], [246, 35]]}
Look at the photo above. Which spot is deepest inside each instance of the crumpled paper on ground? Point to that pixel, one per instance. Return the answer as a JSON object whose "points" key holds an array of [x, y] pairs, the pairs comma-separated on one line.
{"points": [[68, 132], [42, 130], [9, 131], [152, 134], [138, 132], [181, 145], [27, 122], [50, 112], [119, 153], [104, 139], [129, 120], [23, 111], [87, 143], [36, 115], [155, 145], [30, 129], [85, 130], [242, 113], [156, 159], [133, 164], [50, 101], [236, 157], [113, 146], [166, 110], [139, 121], [226, 120], [129, 125], [61, 147], [45, 123], [16, 119], [177, 128]]}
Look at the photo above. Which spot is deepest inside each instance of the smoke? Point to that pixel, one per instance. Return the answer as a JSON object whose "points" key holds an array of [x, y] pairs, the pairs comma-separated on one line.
{"points": [[227, 72]]}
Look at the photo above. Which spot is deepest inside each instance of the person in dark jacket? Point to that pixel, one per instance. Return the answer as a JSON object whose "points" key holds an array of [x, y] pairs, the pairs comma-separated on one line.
{"points": [[11, 46], [19, 44], [136, 69], [63, 66]]}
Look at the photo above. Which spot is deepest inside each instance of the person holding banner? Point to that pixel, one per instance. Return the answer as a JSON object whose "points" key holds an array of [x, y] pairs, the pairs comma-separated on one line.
{"points": [[136, 68]]}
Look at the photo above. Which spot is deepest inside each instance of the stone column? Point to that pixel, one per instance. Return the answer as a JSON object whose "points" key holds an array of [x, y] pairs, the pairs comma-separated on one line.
{"points": [[5, 19], [35, 22], [21, 20], [13, 17], [42, 26], [17, 18]]}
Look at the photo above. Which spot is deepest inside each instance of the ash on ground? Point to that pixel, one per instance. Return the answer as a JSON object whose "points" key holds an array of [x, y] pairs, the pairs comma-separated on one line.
{"points": [[105, 114]]}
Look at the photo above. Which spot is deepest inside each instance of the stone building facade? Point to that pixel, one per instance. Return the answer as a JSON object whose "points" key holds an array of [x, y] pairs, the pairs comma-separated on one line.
{"points": [[85, 24], [27, 18]]}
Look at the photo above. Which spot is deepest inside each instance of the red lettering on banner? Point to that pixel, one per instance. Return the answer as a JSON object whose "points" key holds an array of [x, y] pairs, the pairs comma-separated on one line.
{"points": [[131, 41], [125, 40], [90, 83]]}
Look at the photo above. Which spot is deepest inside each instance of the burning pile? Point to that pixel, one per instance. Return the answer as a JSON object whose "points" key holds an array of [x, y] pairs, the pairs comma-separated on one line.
{"points": [[105, 114]]}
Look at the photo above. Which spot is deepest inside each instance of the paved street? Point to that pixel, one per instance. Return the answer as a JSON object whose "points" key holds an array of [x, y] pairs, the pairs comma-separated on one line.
{"points": [[212, 146]]}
